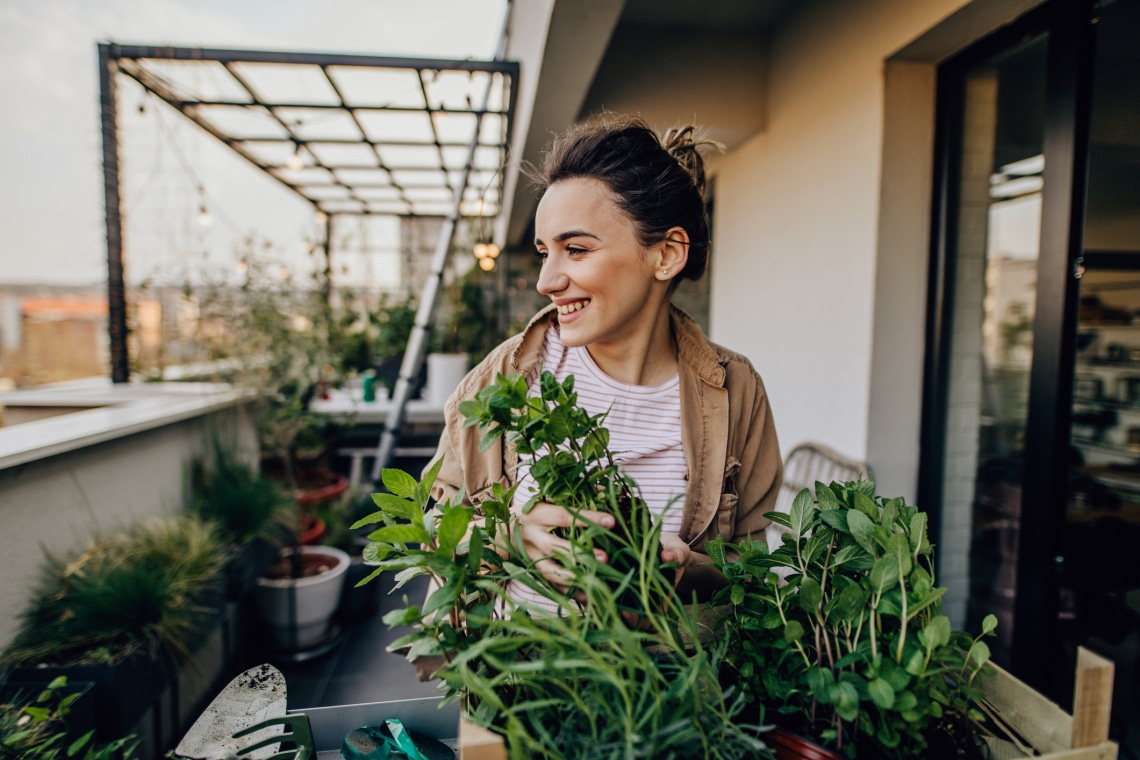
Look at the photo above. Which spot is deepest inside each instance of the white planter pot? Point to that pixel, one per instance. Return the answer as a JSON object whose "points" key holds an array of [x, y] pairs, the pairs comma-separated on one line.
{"points": [[299, 612], [444, 373]]}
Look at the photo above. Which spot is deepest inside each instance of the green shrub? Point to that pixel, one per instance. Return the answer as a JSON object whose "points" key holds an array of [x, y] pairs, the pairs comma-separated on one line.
{"points": [[142, 588]]}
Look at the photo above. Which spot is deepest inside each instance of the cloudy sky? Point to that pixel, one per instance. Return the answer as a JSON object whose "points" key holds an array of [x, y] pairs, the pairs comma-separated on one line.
{"points": [[51, 205]]}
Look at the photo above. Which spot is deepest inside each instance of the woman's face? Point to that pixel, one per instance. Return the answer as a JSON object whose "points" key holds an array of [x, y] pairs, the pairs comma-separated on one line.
{"points": [[593, 267]]}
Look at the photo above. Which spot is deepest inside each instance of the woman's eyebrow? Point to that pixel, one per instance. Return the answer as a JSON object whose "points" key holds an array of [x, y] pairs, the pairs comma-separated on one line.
{"points": [[563, 236]]}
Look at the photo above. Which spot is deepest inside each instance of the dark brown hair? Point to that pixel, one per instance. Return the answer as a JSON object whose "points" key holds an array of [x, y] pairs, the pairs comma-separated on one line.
{"points": [[656, 181]]}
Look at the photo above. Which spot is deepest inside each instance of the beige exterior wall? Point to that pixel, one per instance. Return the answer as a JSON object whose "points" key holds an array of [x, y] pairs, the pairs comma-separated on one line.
{"points": [[822, 224]]}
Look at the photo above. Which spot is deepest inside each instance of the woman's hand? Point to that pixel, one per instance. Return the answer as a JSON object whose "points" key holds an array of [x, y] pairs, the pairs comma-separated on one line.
{"points": [[674, 549], [544, 548]]}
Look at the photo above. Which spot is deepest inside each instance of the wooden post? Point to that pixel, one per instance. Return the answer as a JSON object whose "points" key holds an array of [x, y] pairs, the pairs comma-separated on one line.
{"points": [[477, 743], [1092, 698]]}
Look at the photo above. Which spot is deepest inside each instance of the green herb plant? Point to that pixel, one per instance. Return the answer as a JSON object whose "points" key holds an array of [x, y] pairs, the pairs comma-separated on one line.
{"points": [[584, 683], [851, 649], [572, 466], [36, 729]]}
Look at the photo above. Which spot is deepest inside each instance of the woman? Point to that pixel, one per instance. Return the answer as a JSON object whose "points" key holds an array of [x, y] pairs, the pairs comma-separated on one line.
{"points": [[620, 223]]}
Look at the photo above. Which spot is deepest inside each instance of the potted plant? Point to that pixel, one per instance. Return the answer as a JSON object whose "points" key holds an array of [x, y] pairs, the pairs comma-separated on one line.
{"points": [[596, 679], [254, 513], [298, 596], [128, 613], [394, 321], [464, 333], [839, 631]]}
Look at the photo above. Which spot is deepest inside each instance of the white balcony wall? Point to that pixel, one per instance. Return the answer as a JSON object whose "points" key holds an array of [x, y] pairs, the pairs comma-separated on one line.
{"points": [[67, 478]]}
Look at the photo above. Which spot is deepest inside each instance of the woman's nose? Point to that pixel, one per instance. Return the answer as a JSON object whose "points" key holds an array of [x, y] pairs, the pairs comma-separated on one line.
{"points": [[551, 278]]}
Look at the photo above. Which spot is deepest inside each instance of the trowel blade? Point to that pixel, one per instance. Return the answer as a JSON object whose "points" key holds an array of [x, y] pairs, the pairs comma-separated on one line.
{"points": [[253, 696]]}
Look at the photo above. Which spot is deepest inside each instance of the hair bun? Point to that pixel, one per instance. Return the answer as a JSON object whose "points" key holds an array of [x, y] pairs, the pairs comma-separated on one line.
{"points": [[683, 144]]}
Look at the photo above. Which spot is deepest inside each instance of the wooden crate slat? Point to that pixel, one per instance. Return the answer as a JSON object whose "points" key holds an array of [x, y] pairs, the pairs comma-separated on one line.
{"points": [[1092, 698], [1042, 722]]}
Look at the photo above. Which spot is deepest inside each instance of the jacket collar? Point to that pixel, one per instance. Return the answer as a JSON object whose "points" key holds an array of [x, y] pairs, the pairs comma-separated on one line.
{"points": [[693, 349]]}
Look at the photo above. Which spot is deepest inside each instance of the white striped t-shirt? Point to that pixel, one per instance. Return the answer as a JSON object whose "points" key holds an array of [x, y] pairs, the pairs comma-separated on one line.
{"points": [[645, 436]]}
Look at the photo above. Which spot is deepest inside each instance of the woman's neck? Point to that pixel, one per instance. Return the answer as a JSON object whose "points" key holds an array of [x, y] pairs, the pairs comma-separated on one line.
{"points": [[648, 358]]}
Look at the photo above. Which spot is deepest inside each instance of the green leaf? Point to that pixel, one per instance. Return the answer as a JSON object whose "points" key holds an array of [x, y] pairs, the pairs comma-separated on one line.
{"points": [[793, 631], [980, 653], [77, 746], [800, 515], [938, 631], [885, 573], [376, 552], [989, 624], [393, 506], [452, 528], [446, 595], [899, 547], [848, 603], [865, 504], [810, 595], [423, 488], [847, 706], [779, 518], [401, 534], [490, 437], [715, 550], [836, 518], [881, 693], [826, 498], [398, 482], [862, 530], [475, 550], [736, 596], [917, 531]]}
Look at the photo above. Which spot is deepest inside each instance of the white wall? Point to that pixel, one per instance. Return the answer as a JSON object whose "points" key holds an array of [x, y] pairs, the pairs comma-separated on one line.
{"points": [[56, 504]]}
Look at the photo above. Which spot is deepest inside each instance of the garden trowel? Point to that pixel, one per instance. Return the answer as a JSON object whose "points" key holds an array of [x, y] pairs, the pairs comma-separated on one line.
{"points": [[255, 696]]}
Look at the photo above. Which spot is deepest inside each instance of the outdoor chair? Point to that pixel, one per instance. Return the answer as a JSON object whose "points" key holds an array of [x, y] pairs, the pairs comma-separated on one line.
{"points": [[805, 464]]}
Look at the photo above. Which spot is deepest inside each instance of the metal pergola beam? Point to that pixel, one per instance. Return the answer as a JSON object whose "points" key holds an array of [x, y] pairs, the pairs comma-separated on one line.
{"points": [[128, 59]]}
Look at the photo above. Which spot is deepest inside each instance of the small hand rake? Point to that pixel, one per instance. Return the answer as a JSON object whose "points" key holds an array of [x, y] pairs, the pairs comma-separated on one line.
{"points": [[298, 733]]}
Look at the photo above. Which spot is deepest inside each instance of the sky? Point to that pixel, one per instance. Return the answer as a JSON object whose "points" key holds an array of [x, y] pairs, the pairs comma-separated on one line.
{"points": [[51, 191]]}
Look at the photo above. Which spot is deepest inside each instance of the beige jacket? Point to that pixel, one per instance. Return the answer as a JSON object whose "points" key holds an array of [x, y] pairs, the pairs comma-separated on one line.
{"points": [[734, 468]]}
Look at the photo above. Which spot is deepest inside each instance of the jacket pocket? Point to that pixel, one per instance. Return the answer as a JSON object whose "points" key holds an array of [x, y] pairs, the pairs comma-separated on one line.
{"points": [[726, 515]]}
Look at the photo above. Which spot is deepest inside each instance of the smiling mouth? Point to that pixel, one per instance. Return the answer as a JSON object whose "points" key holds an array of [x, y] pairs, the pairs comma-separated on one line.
{"points": [[570, 308]]}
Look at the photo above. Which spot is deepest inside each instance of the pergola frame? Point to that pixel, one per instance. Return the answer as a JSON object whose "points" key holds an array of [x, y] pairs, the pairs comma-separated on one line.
{"points": [[129, 60]]}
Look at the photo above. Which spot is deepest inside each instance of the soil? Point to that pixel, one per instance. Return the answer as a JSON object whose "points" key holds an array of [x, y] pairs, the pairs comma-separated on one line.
{"points": [[311, 564]]}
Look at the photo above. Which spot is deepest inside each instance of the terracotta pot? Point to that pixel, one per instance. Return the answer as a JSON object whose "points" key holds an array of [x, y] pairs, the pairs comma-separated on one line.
{"points": [[789, 746], [310, 528], [319, 486]]}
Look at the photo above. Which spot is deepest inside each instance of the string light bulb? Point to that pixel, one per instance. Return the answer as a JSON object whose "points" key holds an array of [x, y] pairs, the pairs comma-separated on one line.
{"points": [[204, 218], [492, 251], [295, 161], [320, 217], [481, 251], [487, 264]]}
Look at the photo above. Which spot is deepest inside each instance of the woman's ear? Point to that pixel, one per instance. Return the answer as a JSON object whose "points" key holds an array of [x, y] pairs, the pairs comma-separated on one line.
{"points": [[673, 253]]}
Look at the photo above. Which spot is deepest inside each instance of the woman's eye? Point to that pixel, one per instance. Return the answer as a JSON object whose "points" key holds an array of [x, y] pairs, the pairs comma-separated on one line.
{"points": [[574, 250], [540, 255]]}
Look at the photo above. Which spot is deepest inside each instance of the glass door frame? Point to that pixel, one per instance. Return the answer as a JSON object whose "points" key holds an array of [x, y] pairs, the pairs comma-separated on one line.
{"points": [[1070, 25]]}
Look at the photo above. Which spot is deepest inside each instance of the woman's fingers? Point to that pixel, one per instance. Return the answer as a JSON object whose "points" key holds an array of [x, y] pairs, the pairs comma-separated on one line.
{"points": [[553, 516], [674, 549], [541, 544]]}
